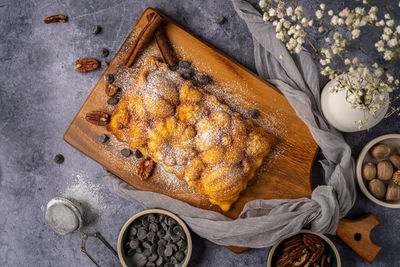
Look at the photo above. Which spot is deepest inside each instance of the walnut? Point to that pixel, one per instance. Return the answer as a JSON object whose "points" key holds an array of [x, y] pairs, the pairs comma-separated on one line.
{"points": [[369, 171], [377, 188]]}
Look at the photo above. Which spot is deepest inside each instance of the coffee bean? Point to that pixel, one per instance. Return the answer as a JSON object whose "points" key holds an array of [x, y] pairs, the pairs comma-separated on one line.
{"points": [[177, 229], [139, 250], [171, 222], [168, 251], [142, 260], [174, 247], [160, 233], [146, 252], [254, 113], [204, 79], [184, 64], [103, 52], [109, 78], [150, 264], [161, 217], [142, 234], [103, 64], [179, 256], [175, 238], [134, 244], [112, 101], [126, 152], [187, 74], [138, 154], [137, 223], [145, 222], [151, 235], [159, 261], [220, 20], [59, 158], [164, 226], [168, 238], [95, 29], [102, 138]]}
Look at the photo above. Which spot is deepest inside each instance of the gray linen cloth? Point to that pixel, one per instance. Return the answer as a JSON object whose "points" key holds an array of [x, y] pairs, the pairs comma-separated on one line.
{"points": [[263, 222]]}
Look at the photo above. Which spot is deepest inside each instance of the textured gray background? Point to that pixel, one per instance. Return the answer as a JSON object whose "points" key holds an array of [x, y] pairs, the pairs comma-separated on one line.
{"points": [[40, 94]]}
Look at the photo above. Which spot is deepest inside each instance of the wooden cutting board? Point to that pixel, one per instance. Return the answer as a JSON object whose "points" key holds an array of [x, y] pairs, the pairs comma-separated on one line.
{"points": [[285, 172]]}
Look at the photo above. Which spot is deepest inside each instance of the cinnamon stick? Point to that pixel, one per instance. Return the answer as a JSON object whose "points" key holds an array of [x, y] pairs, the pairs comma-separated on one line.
{"points": [[163, 44], [144, 36]]}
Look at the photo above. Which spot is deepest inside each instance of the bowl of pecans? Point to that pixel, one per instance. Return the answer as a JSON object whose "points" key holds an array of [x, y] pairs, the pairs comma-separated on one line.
{"points": [[154, 237], [304, 249]]}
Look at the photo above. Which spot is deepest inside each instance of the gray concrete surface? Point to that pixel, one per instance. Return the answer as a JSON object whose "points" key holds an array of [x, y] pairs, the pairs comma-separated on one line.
{"points": [[40, 93]]}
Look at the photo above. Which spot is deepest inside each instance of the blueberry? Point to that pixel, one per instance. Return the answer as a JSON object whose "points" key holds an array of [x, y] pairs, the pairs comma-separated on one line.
{"points": [[103, 52], [254, 113], [112, 101], [184, 64], [58, 158], [109, 78], [220, 20], [102, 138], [95, 29]]}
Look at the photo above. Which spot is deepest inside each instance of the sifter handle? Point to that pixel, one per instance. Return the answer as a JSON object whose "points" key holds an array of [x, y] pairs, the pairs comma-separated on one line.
{"points": [[356, 234]]}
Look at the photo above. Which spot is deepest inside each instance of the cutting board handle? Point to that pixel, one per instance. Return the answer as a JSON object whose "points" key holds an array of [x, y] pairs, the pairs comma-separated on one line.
{"points": [[356, 234]]}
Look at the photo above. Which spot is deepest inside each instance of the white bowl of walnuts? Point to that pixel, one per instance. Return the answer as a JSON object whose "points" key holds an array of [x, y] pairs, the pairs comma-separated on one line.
{"points": [[378, 170]]}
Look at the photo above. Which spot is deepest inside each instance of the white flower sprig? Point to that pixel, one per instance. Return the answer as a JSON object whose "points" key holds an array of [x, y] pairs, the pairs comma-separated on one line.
{"points": [[367, 87]]}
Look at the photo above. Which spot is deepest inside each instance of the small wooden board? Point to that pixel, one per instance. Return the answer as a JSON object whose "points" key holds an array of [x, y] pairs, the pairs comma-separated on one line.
{"points": [[286, 171]]}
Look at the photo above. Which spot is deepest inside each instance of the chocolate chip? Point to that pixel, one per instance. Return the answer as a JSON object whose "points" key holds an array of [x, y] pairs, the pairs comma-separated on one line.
{"points": [[184, 64], [151, 218], [103, 52], [102, 138], [160, 250], [182, 244], [187, 74], [179, 256], [112, 101], [147, 252], [153, 257], [133, 231], [134, 244], [146, 244], [168, 251], [171, 222], [153, 227], [126, 152], [254, 113], [173, 260], [204, 79], [159, 261], [130, 252], [95, 29], [103, 64], [160, 233], [162, 242], [142, 260], [220, 20], [109, 78], [142, 234], [138, 154], [151, 235], [58, 158]]}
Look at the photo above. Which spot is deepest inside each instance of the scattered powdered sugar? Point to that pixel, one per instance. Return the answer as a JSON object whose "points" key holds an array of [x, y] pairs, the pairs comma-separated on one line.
{"points": [[84, 191]]}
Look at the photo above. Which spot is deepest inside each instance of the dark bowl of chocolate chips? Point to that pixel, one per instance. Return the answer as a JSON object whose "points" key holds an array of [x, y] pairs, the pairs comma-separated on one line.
{"points": [[154, 237]]}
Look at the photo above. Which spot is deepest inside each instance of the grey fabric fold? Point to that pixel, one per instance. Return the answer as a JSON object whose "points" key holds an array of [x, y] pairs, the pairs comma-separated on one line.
{"points": [[263, 222]]}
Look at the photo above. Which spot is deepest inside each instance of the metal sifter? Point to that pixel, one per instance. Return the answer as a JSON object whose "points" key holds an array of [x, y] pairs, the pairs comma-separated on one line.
{"points": [[66, 216]]}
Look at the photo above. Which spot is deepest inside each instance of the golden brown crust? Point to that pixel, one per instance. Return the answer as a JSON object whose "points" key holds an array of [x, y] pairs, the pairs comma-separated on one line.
{"points": [[184, 128]]}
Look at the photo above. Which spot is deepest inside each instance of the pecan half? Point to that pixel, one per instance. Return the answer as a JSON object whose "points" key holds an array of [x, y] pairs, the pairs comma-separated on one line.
{"points": [[111, 90], [283, 260], [303, 259], [312, 242], [292, 245], [316, 256], [326, 261], [297, 251], [86, 64], [146, 165], [55, 19], [99, 118]]}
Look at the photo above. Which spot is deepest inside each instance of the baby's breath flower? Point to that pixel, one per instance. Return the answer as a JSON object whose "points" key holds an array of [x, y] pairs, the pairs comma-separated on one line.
{"points": [[355, 33], [318, 14], [392, 42], [262, 4], [266, 17], [298, 11], [330, 12], [347, 61], [289, 11], [322, 6]]}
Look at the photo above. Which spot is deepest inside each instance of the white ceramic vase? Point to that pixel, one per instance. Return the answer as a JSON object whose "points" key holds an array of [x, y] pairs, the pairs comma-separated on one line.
{"points": [[342, 116]]}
